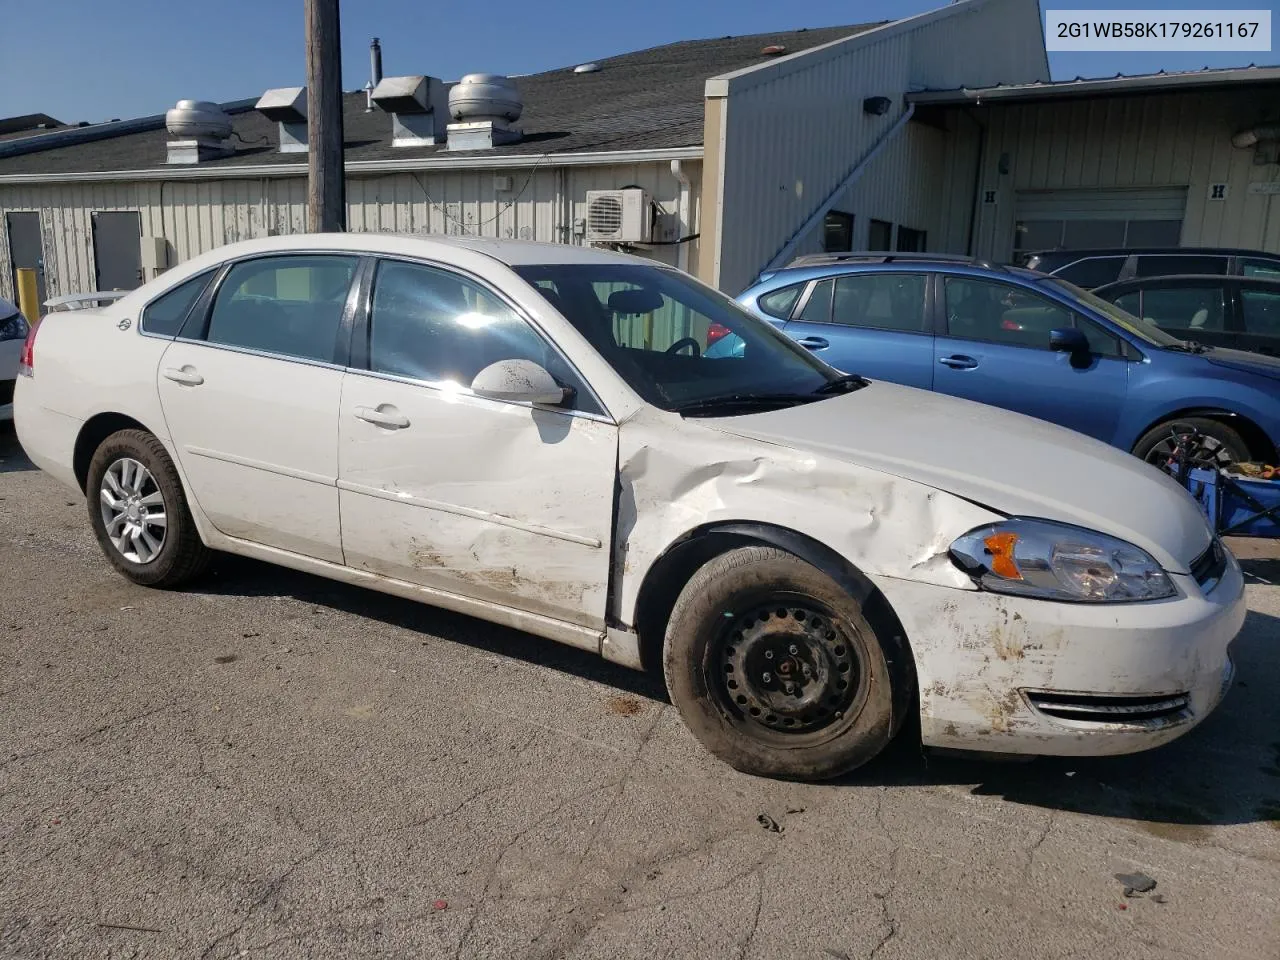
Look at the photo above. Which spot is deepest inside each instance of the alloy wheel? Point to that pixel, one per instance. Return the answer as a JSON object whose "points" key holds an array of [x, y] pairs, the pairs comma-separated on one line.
{"points": [[133, 510]]}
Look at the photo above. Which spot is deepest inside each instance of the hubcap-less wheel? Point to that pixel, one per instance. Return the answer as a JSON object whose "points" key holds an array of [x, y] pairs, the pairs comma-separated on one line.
{"points": [[133, 510], [789, 668], [1201, 450]]}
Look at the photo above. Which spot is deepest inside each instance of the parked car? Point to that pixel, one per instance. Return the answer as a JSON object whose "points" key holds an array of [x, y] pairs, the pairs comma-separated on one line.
{"points": [[1093, 268], [1028, 342], [13, 331], [534, 434], [1222, 311]]}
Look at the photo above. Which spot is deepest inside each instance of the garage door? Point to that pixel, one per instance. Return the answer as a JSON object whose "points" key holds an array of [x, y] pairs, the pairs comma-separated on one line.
{"points": [[1085, 219]]}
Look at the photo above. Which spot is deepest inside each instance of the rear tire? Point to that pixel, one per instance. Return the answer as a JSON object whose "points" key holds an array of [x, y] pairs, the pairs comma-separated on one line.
{"points": [[1218, 446], [776, 671], [139, 512]]}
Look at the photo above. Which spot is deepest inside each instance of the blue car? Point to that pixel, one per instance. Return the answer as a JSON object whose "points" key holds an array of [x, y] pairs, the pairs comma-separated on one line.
{"points": [[1028, 342]]}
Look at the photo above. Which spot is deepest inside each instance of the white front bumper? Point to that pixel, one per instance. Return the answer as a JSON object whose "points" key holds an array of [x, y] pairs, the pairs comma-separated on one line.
{"points": [[978, 655]]}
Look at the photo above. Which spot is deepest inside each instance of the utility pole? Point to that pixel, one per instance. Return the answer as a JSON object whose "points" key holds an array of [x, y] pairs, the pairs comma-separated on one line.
{"points": [[326, 178]]}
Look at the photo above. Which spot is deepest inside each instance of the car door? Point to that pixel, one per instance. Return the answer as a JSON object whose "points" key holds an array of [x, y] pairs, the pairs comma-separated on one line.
{"points": [[1189, 308], [996, 351], [502, 502], [872, 324], [250, 392], [1260, 317]]}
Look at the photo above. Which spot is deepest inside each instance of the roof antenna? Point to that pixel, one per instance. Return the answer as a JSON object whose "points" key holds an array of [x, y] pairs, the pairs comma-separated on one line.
{"points": [[375, 73]]}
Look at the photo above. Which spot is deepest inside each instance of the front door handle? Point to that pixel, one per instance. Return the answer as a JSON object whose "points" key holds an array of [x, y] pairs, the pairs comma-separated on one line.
{"points": [[383, 418], [186, 376], [958, 362], [814, 343]]}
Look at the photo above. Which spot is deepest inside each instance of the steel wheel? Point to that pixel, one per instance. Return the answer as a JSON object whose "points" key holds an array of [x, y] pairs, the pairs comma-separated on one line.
{"points": [[789, 668], [133, 510]]}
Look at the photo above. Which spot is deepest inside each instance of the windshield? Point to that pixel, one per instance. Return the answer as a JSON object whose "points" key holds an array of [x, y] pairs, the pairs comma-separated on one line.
{"points": [[676, 342], [1143, 329]]}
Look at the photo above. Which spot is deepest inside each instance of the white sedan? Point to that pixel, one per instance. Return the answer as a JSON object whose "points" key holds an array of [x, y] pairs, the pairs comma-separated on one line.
{"points": [[535, 435]]}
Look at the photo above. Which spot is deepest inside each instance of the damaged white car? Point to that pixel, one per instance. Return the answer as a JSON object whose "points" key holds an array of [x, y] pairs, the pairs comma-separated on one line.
{"points": [[559, 439]]}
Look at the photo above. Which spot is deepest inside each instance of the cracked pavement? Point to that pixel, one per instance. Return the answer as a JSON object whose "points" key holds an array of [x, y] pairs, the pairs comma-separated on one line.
{"points": [[271, 765]]}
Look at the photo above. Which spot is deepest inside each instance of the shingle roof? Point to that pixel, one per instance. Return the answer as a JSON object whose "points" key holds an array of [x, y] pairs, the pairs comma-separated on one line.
{"points": [[651, 99]]}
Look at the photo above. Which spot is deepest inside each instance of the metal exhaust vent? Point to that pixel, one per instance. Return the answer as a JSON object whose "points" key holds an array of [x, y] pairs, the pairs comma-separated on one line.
{"points": [[484, 106], [200, 130], [419, 108], [287, 106]]}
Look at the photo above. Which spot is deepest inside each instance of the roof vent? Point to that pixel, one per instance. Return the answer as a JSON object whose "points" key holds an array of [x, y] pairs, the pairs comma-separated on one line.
{"points": [[200, 131], [287, 106], [419, 108], [484, 106], [587, 68]]}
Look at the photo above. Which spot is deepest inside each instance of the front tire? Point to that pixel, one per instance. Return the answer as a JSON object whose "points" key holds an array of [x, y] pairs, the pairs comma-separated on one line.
{"points": [[1213, 444], [139, 512], [776, 671]]}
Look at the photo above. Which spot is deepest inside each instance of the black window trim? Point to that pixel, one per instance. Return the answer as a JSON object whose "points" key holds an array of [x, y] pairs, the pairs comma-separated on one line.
{"points": [[199, 317], [361, 330], [1127, 354]]}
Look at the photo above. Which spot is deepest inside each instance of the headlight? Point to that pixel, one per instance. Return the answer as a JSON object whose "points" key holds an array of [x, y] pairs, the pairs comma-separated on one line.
{"points": [[1056, 561]]}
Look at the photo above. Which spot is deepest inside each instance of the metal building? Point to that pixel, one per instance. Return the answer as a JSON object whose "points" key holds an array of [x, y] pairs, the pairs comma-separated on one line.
{"points": [[743, 145]]}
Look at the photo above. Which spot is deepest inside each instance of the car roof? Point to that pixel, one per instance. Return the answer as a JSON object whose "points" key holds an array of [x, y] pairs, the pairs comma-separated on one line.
{"points": [[510, 252], [1153, 251], [1192, 277]]}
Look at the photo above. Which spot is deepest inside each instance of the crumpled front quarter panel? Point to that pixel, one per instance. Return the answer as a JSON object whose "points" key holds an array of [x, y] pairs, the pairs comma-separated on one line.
{"points": [[677, 475]]}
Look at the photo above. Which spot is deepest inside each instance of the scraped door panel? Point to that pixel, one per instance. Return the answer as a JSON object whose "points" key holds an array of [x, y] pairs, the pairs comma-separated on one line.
{"points": [[495, 501]]}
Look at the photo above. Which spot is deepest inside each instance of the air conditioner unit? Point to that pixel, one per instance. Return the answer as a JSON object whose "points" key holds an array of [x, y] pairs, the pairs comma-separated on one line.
{"points": [[619, 216]]}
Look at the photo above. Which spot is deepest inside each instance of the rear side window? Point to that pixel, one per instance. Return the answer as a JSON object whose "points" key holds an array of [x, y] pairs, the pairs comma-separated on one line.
{"points": [[291, 306], [779, 303], [818, 309], [883, 301], [164, 315], [1172, 264], [1092, 271]]}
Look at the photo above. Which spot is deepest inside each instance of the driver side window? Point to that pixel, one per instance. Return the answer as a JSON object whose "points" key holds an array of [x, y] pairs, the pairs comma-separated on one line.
{"points": [[432, 325]]}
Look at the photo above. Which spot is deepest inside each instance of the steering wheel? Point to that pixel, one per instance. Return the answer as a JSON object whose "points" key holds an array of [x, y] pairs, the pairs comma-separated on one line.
{"points": [[686, 342]]}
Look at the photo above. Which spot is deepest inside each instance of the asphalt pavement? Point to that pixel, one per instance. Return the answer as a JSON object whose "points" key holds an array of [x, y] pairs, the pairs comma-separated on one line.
{"points": [[268, 764]]}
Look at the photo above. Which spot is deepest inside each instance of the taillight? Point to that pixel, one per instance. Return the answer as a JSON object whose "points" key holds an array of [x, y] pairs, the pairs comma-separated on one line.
{"points": [[716, 331], [27, 358]]}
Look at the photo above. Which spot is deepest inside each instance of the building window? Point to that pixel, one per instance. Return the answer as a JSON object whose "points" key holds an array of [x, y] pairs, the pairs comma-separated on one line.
{"points": [[837, 232], [1032, 235], [911, 241], [880, 236]]}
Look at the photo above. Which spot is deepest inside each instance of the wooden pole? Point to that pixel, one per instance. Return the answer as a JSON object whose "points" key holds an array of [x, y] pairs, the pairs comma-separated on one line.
{"points": [[326, 187]]}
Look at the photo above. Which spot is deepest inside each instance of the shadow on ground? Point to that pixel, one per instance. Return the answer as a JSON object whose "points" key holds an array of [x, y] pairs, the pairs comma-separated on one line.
{"points": [[12, 459], [1212, 776]]}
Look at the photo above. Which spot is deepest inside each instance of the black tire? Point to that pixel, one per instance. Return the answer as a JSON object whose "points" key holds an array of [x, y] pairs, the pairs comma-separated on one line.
{"points": [[724, 657], [182, 556], [1216, 446]]}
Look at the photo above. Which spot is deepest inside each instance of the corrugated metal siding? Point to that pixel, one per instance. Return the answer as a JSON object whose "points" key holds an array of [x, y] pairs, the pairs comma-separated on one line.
{"points": [[196, 216], [793, 135], [1168, 140]]}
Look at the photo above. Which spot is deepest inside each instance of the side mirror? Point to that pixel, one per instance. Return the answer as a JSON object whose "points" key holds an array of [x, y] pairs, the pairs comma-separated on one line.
{"points": [[1068, 340], [517, 381]]}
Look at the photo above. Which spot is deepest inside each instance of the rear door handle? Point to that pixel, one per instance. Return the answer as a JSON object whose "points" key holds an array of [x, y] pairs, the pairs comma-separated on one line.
{"points": [[186, 376], [814, 343], [383, 418], [958, 362]]}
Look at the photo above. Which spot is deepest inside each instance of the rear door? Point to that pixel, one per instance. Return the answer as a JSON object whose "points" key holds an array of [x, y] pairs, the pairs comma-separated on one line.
{"points": [[874, 324], [996, 351], [117, 249], [250, 392], [1189, 308]]}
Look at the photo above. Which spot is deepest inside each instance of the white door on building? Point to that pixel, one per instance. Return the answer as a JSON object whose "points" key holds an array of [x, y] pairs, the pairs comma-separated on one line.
{"points": [[1085, 219]]}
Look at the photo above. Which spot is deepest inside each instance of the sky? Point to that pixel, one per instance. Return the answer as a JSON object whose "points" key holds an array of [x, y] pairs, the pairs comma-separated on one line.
{"points": [[95, 60]]}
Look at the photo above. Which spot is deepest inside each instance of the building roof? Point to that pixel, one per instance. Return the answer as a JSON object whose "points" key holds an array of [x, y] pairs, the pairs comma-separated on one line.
{"points": [[1119, 85], [648, 100], [27, 125]]}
